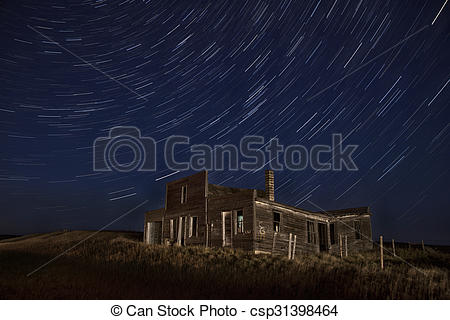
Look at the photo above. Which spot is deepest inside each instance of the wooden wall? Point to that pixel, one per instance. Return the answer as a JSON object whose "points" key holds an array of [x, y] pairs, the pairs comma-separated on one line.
{"points": [[154, 215], [295, 222], [291, 222], [242, 200], [197, 189], [345, 227]]}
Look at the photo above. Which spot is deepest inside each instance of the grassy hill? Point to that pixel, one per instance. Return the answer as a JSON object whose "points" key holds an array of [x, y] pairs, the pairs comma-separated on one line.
{"points": [[117, 265]]}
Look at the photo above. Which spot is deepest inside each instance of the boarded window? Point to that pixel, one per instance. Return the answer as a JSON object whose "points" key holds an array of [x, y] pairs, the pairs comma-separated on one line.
{"points": [[276, 221], [193, 228], [332, 233], [357, 227], [311, 232], [240, 221], [184, 194]]}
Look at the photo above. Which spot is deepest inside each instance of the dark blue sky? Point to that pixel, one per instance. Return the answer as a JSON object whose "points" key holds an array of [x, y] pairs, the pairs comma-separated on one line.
{"points": [[375, 71]]}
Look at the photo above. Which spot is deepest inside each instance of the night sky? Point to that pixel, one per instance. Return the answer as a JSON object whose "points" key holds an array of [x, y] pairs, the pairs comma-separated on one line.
{"points": [[376, 71]]}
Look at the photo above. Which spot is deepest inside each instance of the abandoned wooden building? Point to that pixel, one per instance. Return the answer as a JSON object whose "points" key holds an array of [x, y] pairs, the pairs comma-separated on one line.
{"points": [[199, 213]]}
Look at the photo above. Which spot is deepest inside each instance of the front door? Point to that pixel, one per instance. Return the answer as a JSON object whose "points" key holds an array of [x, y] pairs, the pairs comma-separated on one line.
{"points": [[181, 231], [226, 229], [323, 237]]}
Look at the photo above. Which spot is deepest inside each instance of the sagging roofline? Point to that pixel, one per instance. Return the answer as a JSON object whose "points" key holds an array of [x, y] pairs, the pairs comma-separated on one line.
{"points": [[326, 216]]}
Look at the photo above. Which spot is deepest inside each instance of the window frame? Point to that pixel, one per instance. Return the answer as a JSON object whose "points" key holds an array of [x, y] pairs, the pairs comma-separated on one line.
{"points": [[239, 226], [193, 232], [332, 233], [276, 223], [311, 232]]}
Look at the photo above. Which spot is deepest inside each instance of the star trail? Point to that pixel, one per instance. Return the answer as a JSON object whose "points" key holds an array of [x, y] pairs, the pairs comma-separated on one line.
{"points": [[375, 71]]}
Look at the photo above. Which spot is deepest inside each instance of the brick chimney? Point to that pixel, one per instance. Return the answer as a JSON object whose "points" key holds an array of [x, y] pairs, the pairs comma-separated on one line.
{"points": [[270, 187]]}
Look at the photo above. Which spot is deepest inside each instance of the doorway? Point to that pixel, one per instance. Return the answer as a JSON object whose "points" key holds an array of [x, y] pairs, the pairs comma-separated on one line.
{"points": [[154, 232], [323, 237], [181, 231], [226, 229]]}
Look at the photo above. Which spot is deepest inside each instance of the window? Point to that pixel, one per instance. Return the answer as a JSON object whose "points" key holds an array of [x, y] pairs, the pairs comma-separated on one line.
{"points": [[184, 194], [193, 228], [332, 233], [311, 232], [240, 221], [276, 221], [357, 225]]}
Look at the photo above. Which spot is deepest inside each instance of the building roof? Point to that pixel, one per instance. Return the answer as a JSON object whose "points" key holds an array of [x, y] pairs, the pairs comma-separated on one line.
{"points": [[323, 214], [347, 211], [156, 213], [218, 190]]}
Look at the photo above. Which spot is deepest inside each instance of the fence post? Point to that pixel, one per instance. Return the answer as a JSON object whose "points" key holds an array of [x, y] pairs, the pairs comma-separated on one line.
{"points": [[423, 246], [207, 236], [293, 249], [346, 247], [273, 243], [340, 244], [381, 252], [290, 246], [145, 232], [393, 247]]}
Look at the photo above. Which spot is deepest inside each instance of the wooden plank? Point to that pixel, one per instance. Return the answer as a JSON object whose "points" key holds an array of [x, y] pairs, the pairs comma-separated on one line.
{"points": [[180, 231], [185, 219], [381, 253], [293, 249], [346, 246], [290, 246], [231, 229], [147, 236], [223, 230], [274, 240]]}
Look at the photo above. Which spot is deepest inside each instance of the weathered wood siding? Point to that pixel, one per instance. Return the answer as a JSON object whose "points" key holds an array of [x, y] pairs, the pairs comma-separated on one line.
{"points": [[242, 200], [294, 221], [154, 215], [195, 206], [345, 226], [268, 241]]}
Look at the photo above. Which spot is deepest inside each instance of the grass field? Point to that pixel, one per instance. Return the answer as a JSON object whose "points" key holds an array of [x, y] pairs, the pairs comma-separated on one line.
{"points": [[116, 265]]}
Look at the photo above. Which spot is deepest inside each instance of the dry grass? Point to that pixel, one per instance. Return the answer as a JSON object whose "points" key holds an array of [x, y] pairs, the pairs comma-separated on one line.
{"points": [[116, 265]]}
